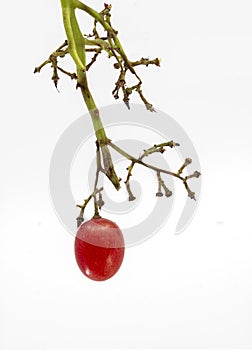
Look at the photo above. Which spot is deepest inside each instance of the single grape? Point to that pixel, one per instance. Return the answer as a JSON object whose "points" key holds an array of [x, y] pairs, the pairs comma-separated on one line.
{"points": [[99, 248]]}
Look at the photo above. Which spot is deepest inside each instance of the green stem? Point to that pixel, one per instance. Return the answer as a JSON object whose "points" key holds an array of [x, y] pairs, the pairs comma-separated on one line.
{"points": [[74, 35], [76, 45], [99, 131]]}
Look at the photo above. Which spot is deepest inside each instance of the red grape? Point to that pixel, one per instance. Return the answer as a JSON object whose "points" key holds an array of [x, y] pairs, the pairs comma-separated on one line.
{"points": [[99, 248]]}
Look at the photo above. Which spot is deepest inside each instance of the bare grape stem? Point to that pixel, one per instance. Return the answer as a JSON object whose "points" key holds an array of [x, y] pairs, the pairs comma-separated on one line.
{"points": [[77, 46]]}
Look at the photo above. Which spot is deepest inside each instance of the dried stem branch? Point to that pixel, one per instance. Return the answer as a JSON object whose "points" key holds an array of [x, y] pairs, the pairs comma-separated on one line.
{"points": [[109, 44], [156, 148], [97, 191]]}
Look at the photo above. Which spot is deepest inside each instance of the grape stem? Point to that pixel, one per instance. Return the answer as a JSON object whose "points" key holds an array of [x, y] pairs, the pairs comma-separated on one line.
{"points": [[157, 148], [77, 46]]}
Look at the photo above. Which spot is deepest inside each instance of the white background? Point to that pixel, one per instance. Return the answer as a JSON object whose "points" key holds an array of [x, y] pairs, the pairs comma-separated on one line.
{"points": [[188, 291]]}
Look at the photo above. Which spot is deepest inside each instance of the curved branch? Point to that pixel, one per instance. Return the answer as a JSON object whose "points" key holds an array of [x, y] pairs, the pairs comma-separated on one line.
{"points": [[156, 148]]}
